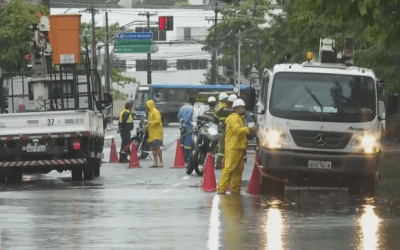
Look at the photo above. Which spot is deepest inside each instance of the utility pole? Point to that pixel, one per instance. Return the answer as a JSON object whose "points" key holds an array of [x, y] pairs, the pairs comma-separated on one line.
{"points": [[214, 68], [148, 15], [238, 81], [108, 87], [93, 11]]}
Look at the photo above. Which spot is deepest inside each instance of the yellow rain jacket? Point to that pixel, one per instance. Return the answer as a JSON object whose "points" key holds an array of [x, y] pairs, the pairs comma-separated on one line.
{"points": [[155, 127], [236, 133], [235, 146]]}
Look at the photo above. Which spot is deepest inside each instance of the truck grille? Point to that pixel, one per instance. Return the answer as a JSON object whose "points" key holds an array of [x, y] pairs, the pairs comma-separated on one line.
{"points": [[320, 139]]}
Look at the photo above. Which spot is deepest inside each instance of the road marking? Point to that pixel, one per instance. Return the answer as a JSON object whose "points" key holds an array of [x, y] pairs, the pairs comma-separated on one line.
{"points": [[177, 184], [214, 230], [166, 190], [186, 178]]}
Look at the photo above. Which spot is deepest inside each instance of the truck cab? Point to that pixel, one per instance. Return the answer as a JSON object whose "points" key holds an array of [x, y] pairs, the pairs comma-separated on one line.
{"points": [[319, 125]]}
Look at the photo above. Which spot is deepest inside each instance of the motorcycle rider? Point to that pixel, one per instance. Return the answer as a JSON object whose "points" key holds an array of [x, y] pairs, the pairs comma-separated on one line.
{"points": [[185, 116], [236, 144], [208, 112], [125, 126], [221, 114]]}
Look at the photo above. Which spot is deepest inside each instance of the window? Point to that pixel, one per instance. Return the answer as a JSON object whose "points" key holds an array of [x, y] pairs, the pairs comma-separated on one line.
{"points": [[156, 65], [157, 34], [183, 64], [192, 33]]}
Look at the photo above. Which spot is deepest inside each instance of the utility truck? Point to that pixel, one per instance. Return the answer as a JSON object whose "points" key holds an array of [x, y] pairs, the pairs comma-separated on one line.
{"points": [[320, 124], [53, 120]]}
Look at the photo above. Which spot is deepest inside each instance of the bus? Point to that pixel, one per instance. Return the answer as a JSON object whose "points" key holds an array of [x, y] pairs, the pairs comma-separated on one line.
{"points": [[169, 98]]}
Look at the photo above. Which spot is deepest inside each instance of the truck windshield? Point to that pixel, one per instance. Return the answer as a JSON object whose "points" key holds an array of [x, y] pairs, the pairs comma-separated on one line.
{"points": [[342, 98], [142, 96]]}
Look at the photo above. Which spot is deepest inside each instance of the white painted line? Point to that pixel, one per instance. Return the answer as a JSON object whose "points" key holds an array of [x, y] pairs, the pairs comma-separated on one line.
{"points": [[177, 184], [166, 190], [186, 178], [213, 242]]}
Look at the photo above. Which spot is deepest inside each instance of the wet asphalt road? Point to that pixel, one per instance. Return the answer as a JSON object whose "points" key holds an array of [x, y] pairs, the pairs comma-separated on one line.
{"points": [[150, 208]]}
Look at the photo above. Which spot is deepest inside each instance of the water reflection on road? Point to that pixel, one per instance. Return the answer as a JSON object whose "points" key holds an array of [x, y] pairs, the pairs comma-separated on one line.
{"points": [[306, 220]]}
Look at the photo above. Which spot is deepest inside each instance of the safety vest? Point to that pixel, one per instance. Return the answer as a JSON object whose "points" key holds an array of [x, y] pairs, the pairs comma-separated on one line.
{"points": [[121, 114]]}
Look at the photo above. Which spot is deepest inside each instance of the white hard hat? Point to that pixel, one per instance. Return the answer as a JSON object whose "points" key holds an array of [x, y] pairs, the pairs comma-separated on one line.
{"points": [[222, 96], [232, 98], [211, 99], [238, 102]]}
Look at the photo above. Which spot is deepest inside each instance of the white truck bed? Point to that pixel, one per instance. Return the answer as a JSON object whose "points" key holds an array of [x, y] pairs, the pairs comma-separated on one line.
{"points": [[57, 122]]}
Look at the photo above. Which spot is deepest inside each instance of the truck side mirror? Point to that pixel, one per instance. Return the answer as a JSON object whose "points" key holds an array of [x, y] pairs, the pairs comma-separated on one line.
{"points": [[106, 103], [380, 85], [256, 107]]}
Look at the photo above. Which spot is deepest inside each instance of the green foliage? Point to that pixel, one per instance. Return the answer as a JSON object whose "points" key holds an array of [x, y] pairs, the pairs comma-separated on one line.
{"points": [[373, 24], [160, 2], [247, 17], [118, 95], [119, 79], [16, 33], [113, 29], [84, 2], [182, 3]]}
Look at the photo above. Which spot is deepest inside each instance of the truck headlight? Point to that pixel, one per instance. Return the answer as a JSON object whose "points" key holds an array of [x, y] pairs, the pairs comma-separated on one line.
{"points": [[274, 139], [368, 143]]}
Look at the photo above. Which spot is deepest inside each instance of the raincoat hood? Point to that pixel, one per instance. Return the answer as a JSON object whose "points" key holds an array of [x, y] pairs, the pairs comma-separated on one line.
{"points": [[150, 105]]}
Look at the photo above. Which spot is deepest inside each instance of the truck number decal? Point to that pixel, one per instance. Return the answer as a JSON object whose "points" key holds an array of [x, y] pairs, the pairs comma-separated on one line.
{"points": [[50, 122]]}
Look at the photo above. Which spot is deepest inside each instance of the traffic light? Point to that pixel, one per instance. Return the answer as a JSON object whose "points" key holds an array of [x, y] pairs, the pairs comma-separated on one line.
{"points": [[166, 23]]}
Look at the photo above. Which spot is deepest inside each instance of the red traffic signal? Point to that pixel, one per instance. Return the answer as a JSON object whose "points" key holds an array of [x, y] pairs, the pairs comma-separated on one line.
{"points": [[166, 23]]}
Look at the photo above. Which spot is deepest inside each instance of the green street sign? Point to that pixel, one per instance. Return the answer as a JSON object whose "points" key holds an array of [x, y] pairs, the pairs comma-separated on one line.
{"points": [[133, 46]]}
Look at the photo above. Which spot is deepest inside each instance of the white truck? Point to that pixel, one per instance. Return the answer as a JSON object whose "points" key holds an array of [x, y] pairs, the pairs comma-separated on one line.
{"points": [[319, 125], [52, 123]]}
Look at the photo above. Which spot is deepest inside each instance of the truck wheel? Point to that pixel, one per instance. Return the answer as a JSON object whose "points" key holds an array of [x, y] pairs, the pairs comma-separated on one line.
{"points": [[88, 173], [76, 174], [271, 187], [15, 177], [95, 165]]}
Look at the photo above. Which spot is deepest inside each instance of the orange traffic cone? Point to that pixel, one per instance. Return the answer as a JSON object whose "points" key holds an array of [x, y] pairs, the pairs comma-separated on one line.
{"points": [[209, 183], [113, 154], [179, 159], [21, 106], [134, 159], [254, 184]]}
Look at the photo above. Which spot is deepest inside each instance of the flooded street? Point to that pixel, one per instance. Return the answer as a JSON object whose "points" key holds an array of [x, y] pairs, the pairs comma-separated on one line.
{"points": [[149, 208]]}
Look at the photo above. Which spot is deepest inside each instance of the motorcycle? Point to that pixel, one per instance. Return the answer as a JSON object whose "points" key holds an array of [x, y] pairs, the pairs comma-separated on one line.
{"points": [[141, 140], [204, 140]]}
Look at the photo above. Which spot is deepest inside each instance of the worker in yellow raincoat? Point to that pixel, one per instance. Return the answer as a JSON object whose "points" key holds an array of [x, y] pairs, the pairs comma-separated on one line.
{"points": [[155, 130], [235, 146]]}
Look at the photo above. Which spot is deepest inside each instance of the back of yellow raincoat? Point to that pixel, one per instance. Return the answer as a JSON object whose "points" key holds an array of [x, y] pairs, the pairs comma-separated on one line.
{"points": [[236, 133], [155, 127]]}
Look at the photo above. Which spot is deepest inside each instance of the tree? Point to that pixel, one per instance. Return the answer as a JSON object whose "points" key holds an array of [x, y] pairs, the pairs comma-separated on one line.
{"points": [[16, 33], [118, 95], [371, 23], [116, 73], [247, 17]]}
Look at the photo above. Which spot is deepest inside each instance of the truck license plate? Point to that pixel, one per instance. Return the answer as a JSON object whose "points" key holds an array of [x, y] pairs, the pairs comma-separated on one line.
{"points": [[35, 148], [320, 164]]}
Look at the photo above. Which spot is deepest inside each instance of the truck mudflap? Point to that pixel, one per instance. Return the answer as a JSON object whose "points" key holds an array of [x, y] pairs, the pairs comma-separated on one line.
{"points": [[43, 163]]}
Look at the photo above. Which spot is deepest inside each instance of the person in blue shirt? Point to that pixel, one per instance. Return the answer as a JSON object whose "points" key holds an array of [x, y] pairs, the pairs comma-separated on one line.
{"points": [[185, 117]]}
